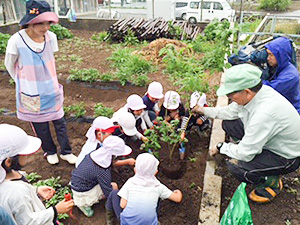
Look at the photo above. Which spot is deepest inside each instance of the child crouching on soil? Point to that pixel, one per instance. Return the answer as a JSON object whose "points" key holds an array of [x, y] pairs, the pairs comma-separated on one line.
{"points": [[91, 180], [139, 196], [172, 109], [189, 120]]}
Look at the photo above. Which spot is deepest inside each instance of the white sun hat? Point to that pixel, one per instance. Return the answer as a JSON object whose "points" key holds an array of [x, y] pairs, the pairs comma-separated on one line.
{"points": [[127, 121], [135, 102], [101, 122], [155, 90], [112, 145], [146, 166], [197, 99], [172, 100], [14, 141]]}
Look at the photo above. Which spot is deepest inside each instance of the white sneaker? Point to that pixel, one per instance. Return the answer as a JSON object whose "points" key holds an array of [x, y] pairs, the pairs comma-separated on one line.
{"points": [[71, 158], [52, 159]]}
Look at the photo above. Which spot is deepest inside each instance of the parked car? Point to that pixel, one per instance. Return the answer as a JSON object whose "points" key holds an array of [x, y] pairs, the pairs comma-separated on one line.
{"points": [[211, 9], [181, 8]]}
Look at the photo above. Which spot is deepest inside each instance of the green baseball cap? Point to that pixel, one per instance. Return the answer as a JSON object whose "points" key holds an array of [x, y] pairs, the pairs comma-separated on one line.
{"points": [[240, 77]]}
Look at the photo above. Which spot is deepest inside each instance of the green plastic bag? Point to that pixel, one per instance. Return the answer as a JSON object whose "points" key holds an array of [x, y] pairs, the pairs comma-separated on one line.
{"points": [[238, 211]]}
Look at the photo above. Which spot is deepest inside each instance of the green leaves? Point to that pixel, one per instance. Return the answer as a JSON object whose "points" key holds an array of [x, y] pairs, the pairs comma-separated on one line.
{"points": [[3, 42], [101, 110], [77, 109], [61, 32], [277, 5]]}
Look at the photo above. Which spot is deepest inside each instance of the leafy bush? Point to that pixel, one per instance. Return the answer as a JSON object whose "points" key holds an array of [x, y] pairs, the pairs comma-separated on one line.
{"points": [[216, 30], [77, 109], [3, 42], [89, 75], [101, 110], [99, 37], [130, 67], [275, 5], [61, 32], [130, 38]]}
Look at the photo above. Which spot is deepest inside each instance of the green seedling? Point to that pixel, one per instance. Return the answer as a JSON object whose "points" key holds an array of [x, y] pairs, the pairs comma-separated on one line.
{"points": [[3, 42], [192, 185], [192, 159], [78, 110], [32, 177], [101, 110], [61, 32], [11, 82]]}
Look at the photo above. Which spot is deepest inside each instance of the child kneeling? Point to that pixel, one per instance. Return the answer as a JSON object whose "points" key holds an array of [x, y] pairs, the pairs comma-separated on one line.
{"points": [[140, 194], [91, 180]]}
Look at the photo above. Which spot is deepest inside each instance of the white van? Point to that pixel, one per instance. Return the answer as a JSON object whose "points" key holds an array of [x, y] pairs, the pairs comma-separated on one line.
{"points": [[211, 9], [181, 8]]}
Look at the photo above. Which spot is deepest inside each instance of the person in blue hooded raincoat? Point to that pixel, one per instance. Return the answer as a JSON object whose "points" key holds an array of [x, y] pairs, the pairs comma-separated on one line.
{"points": [[284, 75]]}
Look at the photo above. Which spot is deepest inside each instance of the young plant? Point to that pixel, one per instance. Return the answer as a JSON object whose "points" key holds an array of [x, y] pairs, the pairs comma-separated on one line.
{"points": [[130, 38], [32, 177], [90, 75], [101, 110], [78, 110], [164, 132], [99, 37]]}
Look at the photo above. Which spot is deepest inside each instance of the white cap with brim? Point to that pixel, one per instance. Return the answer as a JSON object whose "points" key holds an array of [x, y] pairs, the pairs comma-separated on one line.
{"points": [[14, 141], [126, 120], [112, 145], [172, 100], [240, 77]]}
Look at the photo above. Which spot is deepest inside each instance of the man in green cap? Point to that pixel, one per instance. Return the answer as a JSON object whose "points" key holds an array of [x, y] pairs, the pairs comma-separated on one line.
{"points": [[270, 146]]}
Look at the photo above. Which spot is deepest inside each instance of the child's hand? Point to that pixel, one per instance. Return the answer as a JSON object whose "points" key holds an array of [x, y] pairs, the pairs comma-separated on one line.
{"points": [[182, 136], [198, 109], [131, 161], [45, 192], [199, 121], [64, 206], [144, 139]]}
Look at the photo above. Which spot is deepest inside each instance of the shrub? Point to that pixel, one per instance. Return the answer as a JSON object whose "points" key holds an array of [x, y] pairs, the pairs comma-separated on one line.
{"points": [[61, 32], [275, 5], [3, 42], [101, 110], [130, 38], [130, 67]]}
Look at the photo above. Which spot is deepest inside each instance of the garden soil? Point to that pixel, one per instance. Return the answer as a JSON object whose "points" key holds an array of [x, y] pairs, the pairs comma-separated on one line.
{"points": [[93, 55]]}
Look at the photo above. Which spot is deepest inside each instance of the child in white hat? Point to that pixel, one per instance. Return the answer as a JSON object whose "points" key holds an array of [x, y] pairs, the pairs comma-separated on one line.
{"points": [[139, 195], [201, 121], [101, 128], [172, 109], [18, 197], [150, 99], [135, 106], [91, 180]]}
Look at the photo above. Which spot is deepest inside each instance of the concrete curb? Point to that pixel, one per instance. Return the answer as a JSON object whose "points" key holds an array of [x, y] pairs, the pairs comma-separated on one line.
{"points": [[212, 185]]}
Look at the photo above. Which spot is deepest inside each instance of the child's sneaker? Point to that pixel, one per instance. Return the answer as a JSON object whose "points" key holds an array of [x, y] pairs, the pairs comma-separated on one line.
{"points": [[70, 158], [87, 210]]}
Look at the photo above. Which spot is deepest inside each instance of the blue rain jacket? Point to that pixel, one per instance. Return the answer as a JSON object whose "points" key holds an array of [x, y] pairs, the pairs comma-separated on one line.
{"points": [[286, 77]]}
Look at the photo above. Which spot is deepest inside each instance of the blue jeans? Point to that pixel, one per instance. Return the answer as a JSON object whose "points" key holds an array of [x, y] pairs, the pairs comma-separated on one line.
{"points": [[43, 132]]}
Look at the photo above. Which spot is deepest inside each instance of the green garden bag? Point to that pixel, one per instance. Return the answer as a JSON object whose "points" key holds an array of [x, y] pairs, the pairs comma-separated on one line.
{"points": [[238, 211]]}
